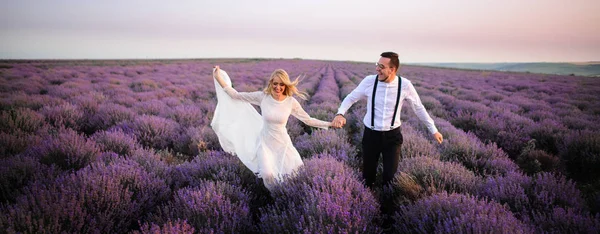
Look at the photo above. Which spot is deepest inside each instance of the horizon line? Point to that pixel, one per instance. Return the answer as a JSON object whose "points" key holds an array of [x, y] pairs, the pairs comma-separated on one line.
{"points": [[280, 58]]}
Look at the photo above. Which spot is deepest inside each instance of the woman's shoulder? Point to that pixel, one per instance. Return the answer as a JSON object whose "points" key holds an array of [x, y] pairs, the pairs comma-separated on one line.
{"points": [[293, 100]]}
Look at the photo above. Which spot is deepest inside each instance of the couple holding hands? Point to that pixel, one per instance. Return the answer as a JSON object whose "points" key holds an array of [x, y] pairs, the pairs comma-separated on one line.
{"points": [[261, 140]]}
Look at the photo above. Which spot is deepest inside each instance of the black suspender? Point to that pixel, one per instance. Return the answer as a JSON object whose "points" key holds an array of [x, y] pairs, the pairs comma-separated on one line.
{"points": [[373, 102], [397, 101]]}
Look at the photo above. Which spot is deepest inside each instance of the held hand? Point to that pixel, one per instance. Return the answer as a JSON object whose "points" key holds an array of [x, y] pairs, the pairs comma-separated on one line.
{"points": [[339, 121], [332, 125], [438, 137]]}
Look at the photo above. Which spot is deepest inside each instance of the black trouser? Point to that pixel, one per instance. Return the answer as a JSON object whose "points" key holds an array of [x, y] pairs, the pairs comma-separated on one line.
{"points": [[386, 143]]}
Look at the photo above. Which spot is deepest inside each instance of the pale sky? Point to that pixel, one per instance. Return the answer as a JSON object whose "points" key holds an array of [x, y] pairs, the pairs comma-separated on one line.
{"points": [[419, 31]]}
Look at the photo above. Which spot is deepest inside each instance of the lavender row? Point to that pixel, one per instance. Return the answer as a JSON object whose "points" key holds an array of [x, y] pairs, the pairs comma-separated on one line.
{"points": [[152, 119], [544, 122], [536, 201], [421, 176]]}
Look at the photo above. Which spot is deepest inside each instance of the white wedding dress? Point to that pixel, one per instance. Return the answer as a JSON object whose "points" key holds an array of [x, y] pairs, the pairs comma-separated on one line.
{"points": [[260, 142]]}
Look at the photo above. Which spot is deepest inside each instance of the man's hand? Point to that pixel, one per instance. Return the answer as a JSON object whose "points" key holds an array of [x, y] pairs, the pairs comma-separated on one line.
{"points": [[438, 137], [339, 121]]}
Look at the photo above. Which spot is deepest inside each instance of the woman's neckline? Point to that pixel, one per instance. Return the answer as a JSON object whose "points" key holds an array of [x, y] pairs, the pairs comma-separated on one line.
{"points": [[285, 97]]}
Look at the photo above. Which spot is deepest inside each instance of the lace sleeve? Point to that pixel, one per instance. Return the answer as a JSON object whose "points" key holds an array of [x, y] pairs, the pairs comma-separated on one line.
{"points": [[299, 113], [251, 97]]}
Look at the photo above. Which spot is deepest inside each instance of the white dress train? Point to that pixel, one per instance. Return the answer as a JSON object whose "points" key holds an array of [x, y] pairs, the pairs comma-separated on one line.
{"points": [[261, 142]]}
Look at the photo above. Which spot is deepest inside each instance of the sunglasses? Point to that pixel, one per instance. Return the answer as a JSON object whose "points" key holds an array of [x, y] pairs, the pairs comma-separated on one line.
{"points": [[277, 83]]}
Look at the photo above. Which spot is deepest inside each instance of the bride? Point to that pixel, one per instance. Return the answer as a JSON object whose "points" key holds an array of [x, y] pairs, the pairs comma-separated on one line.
{"points": [[261, 142]]}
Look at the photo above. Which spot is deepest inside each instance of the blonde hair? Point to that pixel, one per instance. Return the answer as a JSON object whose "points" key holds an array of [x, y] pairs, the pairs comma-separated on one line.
{"points": [[290, 86]]}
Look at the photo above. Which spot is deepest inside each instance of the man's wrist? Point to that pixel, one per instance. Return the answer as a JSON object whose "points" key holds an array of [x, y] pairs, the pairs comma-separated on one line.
{"points": [[339, 114]]}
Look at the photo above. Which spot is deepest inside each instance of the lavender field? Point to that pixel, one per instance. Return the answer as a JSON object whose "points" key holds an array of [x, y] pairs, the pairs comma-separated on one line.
{"points": [[126, 147]]}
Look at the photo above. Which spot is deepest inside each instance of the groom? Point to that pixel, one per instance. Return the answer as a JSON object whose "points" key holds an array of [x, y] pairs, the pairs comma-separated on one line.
{"points": [[385, 93]]}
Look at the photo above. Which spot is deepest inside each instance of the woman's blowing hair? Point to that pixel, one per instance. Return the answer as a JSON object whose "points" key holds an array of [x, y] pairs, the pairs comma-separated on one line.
{"points": [[290, 86]]}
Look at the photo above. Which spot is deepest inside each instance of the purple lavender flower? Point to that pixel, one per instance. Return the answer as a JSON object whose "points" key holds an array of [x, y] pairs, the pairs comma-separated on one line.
{"points": [[154, 131], [209, 207], [532, 160], [323, 111], [33, 102], [511, 189], [561, 220], [143, 85], [466, 148], [22, 119], [18, 171], [170, 227], [549, 191], [215, 166], [497, 114], [416, 145], [109, 115], [188, 116], [89, 102], [152, 107], [323, 141], [115, 141], [100, 198], [578, 123], [294, 128], [67, 149], [17, 142], [124, 99], [66, 115], [581, 153], [436, 176], [344, 81], [197, 139], [456, 213], [547, 134], [151, 162], [324, 196]]}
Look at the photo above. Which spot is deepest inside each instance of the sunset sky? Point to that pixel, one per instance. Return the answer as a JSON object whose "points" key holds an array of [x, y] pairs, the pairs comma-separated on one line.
{"points": [[420, 31]]}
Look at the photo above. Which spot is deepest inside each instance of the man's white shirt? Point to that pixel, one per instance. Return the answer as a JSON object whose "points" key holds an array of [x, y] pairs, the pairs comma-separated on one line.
{"points": [[385, 101]]}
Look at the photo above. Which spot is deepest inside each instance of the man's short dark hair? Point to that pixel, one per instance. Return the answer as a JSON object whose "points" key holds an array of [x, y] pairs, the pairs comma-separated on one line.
{"points": [[393, 59]]}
